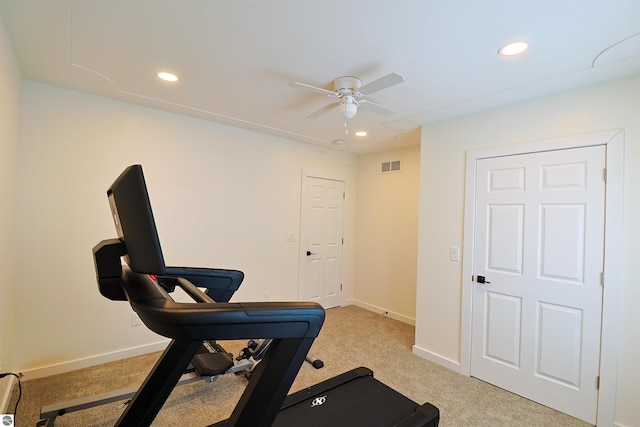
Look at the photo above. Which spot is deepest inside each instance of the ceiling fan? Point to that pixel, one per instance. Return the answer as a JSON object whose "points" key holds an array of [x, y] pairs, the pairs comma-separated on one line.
{"points": [[349, 92]]}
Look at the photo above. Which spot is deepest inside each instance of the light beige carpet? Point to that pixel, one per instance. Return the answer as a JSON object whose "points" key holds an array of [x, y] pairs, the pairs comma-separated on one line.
{"points": [[351, 337]]}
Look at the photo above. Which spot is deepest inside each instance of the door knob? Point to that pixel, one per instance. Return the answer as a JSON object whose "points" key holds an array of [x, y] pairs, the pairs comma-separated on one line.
{"points": [[482, 279], [309, 253]]}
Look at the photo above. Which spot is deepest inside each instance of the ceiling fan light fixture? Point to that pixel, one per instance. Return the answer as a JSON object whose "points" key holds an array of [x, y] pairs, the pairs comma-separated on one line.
{"points": [[513, 48], [348, 107]]}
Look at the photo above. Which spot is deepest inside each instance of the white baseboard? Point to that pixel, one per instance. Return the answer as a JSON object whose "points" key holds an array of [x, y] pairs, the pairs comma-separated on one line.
{"points": [[6, 385], [381, 310], [436, 358], [72, 365]]}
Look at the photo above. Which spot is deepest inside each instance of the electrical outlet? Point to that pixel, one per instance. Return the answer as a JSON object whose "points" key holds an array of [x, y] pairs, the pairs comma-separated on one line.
{"points": [[135, 320], [267, 296]]}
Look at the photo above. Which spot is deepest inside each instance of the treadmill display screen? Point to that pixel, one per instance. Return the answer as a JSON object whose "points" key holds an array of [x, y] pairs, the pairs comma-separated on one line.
{"points": [[134, 221]]}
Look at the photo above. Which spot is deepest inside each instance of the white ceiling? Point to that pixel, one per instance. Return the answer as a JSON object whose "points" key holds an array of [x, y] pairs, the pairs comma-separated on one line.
{"points": [[236, 59]]}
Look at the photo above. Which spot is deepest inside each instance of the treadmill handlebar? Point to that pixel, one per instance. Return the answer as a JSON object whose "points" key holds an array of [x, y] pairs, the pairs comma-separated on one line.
{"points": [[202, 320], [213, 320], [107, 255], [220, 283]]}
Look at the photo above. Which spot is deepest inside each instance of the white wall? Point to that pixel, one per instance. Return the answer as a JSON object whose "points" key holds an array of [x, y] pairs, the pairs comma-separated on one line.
{"points": [[222, 197], [600, 107], [10, 87], [387, 233]]}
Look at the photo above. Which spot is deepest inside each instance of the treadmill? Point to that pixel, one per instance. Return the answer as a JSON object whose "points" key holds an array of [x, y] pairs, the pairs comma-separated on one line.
{"points": [[354, 398]]}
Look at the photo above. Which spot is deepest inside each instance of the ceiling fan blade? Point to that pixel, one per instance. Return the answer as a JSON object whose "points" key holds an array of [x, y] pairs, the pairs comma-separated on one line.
{"points": [[314, 89], [322, 111], [375, 108], [390, 79]]}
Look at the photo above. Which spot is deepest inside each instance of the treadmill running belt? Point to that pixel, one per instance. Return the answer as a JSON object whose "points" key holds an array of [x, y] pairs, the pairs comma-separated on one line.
{"points": [[354, 398]]}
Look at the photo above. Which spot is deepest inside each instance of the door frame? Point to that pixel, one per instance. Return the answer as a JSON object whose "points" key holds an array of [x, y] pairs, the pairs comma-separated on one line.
{"points": [[302, 236], [613, 247]]}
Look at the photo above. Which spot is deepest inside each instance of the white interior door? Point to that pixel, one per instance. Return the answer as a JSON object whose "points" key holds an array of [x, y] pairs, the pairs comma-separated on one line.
{"points": [[539, 243], [322, 241]]}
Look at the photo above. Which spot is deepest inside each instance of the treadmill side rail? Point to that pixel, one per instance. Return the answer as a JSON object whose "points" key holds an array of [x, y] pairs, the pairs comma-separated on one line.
{"points": [[425, 415]]}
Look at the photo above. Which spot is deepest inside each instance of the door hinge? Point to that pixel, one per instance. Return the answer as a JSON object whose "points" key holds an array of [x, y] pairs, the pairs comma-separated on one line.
{"points": [[602, 278], [604, 175], [344, 196], [598, 382], [343, 240], [340, 287]]}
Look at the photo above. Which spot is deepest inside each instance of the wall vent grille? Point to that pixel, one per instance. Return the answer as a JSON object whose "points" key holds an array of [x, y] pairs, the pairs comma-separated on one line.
{"points": [[391, 166]]}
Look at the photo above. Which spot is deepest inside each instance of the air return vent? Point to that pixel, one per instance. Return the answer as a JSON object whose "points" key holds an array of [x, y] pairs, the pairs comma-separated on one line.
{"points": [[391, 166]]}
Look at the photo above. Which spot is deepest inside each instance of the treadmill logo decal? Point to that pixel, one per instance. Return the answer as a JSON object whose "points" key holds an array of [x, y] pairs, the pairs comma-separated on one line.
{"points": [[318, 401]]}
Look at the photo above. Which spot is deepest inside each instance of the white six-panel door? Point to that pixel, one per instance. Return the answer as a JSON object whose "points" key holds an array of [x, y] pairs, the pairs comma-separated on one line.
{"points": [[539, 245], [322, 241]]}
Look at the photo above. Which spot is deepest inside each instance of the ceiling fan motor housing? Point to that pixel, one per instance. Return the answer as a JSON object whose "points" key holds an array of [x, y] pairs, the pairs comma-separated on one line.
{"points": [[347, 85]]}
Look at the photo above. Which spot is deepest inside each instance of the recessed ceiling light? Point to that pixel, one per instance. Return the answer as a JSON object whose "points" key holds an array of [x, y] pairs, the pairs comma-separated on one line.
{"points": [[168, 77], [513, 48], [361, 133]]}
